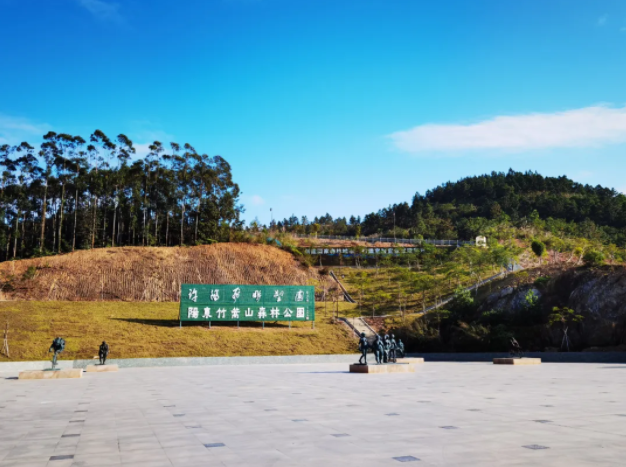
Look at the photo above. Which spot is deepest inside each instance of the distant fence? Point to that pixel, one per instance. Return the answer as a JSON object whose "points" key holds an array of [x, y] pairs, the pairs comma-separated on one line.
{"points": [[403, 241], [350, 252]]}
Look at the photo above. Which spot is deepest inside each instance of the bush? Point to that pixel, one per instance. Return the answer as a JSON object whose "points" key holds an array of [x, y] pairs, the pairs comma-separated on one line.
{"points": [[538, 248], [542, 280], [29, 273], [593, 258]]}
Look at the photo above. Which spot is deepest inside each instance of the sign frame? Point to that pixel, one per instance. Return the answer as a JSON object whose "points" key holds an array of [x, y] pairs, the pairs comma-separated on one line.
{"points": [[242, 302]]}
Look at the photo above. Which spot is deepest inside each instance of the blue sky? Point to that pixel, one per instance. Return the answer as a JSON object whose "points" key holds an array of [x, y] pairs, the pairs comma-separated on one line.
{"points": [[339, 106]]}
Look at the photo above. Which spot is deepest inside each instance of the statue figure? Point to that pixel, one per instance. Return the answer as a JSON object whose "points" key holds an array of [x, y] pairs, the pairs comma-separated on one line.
{"points": [[363, 346], [392, 349], [387, 348], [103, 352], [516, 349], [379, 349], [58, 346], [401, 349]]}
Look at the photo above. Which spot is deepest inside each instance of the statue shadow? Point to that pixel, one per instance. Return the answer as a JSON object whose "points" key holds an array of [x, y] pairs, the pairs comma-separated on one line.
{"points": [[174, 323], [166, 323]]}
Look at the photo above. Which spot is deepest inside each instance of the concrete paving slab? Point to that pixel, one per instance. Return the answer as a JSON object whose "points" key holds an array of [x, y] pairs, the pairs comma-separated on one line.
{"points": [[576, 411]]}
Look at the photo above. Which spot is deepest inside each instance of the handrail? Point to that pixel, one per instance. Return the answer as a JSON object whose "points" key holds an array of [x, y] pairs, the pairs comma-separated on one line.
{"points": [[410, 241]]}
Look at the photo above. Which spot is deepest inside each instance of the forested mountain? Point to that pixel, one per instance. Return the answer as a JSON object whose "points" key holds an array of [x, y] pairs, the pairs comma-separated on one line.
{"points": [[468, 207], [70, 194]]}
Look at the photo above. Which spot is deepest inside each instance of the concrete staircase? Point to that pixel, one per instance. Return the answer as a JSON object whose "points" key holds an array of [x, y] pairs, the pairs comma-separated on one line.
{"points": [[358, 325]]}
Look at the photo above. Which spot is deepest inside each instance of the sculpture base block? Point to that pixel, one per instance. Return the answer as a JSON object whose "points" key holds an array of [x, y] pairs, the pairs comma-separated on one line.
{"points": [[56, 374], [516, 361], [383, 368], [411, 360], [101, 368]]}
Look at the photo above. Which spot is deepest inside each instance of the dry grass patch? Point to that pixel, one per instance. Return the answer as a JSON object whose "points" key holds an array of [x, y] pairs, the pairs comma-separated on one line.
{"points": [[148, 274]]}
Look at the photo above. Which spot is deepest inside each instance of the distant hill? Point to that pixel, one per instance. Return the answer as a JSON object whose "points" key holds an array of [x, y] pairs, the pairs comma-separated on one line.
{"points": [[467, 207], [147, 273]]}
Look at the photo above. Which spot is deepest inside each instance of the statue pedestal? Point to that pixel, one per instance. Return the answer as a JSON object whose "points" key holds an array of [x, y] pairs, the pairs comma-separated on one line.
{"points": [[101, 368], [51, 374], [383, 368], [516, 361], [411, 360]]}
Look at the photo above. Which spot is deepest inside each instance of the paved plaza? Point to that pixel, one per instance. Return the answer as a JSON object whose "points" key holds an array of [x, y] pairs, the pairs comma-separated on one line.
{"points": [[444, 414]]}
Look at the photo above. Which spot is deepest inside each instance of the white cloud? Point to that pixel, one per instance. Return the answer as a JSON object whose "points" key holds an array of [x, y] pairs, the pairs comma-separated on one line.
{"points": [[102, 10], [602, 20], [589, 126], [141, 150], [14, 130], [256, 200]]}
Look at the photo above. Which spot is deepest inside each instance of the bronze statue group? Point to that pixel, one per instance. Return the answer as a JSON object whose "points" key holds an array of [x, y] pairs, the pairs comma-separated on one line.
{"points": [[386, 350]]}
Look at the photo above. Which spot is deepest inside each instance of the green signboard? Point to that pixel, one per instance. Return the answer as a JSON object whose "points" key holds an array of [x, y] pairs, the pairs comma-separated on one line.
{"points": [[204, 302]]}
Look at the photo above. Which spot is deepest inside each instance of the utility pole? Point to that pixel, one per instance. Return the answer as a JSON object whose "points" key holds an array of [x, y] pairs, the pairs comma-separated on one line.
{"points": [[394, 227]]}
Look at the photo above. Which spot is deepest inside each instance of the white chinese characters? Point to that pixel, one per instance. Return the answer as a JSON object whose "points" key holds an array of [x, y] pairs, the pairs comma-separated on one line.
{"points": [[192, 312], [249, 303], [278, 295]]}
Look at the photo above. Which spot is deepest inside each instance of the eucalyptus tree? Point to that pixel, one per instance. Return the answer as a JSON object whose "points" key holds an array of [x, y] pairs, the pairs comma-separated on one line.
{"points": [[28, 172], [102, 147], [154, 168], [80, 167], [124, 152], [49, 153], [112, 197]]}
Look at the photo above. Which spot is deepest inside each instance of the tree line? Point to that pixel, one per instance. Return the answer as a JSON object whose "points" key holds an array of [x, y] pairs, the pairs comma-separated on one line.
{"points": [[71, 193], [474, 205]]}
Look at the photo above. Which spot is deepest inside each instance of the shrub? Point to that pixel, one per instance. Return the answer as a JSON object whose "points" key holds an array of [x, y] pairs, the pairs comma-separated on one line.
{"points": [[593, 258], [29, 273], [538, 248]]}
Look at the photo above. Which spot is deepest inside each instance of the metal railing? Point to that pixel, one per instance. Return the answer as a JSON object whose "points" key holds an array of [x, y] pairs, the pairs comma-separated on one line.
{"points": [[406, 241]]}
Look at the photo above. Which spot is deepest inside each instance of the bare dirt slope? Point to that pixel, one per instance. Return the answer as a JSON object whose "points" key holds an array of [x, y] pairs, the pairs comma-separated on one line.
{"points": [[148, 273]]}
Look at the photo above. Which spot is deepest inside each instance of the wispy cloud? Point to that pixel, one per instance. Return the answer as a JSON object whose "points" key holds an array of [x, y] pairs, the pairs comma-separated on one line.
{"points": [[589, 126], [14, 130], [602, 20], [256, 200], [102, 10]]}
